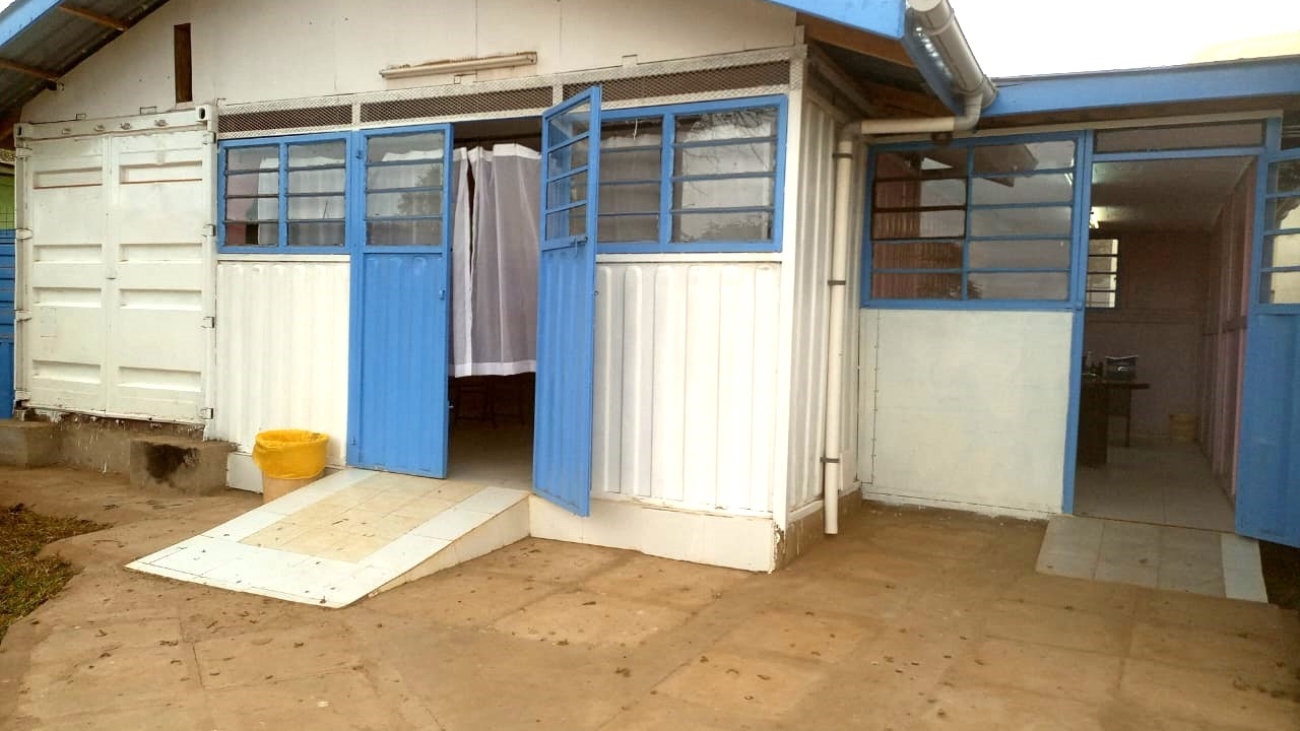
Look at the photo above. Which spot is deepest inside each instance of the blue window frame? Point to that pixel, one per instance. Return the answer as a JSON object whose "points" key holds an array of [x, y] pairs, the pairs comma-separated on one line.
{"points": [[988, 223], [1279, 256], [284, 195], [693, 177]]}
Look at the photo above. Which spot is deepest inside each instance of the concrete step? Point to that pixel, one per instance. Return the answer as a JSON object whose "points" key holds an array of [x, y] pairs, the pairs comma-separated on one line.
{"points": [[350, 535], [190, 466], [29, 443]]}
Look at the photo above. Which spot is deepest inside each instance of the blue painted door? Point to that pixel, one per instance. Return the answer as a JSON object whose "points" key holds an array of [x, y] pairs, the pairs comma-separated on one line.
{"points": [[1268, 466], [7, 268], [566, 325], [400, 302]]}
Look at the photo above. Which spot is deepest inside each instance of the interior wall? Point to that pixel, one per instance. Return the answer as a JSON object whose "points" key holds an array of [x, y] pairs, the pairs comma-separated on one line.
{"points": [[1224, 330], [320, 48], [1158, 317], [965, 408]]}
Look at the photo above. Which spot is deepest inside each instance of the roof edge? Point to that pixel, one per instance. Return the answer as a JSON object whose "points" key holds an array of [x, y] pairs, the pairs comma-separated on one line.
{"points": [[20, 15]]}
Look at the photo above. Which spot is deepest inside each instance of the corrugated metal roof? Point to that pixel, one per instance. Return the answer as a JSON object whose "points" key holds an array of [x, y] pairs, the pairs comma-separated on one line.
{"points": [[41, 36]]}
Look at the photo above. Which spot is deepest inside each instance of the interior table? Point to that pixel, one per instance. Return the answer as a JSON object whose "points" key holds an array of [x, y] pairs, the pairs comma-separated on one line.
{"points": [[1094, 415]]}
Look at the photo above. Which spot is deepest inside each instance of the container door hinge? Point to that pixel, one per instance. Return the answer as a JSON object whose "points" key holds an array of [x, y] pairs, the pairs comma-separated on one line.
{"points": [[208, 323], [209, 230], [22, 234], [22, 152], [207, 412], [22, 315]]}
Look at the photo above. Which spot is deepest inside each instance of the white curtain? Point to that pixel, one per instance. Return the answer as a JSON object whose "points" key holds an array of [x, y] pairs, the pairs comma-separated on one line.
{"points": [[497, 332], [461, 281]]}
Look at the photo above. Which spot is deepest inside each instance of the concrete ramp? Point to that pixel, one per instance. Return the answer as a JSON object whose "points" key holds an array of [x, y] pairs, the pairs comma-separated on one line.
{"points": [[350, 535]]}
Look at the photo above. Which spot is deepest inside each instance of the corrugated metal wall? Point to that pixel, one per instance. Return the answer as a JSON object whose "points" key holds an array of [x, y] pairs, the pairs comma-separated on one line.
{"points": [[684, 404], [282, 350], [815, 211]]}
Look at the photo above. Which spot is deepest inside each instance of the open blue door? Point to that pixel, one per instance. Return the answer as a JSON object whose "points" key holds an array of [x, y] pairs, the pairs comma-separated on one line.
{"points": [[400, 305], [566, 306], [1268, 467]]}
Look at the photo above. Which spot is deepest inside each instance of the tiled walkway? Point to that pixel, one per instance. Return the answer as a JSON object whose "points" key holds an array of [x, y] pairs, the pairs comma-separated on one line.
{"points": [[1166, 484], [1154, 556], [339, 539]]}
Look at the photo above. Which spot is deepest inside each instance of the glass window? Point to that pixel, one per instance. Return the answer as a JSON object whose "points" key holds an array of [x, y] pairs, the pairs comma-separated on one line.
{"points": [[1188, 137], [678, 180], [976, 221], [1103, 273], [284, 195]]}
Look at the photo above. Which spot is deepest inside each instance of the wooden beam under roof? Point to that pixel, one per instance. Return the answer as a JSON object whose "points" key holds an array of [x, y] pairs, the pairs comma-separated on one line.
{"points": [[29, 70], [852, 39], [94, 17]]}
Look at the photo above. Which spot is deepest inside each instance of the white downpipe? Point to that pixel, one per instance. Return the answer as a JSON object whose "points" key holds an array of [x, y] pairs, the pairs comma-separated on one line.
{"points": [[937, 20]]}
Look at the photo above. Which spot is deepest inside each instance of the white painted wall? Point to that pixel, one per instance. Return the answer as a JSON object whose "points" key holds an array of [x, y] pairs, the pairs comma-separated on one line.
{"points": [[970, 408], [686, 374], [253, 50], [282, 351]]}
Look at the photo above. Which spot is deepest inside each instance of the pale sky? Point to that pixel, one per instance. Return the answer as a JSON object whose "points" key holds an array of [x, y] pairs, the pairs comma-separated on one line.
{"points": [[1019, 37]]}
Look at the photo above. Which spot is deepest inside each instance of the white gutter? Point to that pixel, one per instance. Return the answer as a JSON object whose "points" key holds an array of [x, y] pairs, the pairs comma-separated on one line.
{"points": [[937, 21]]}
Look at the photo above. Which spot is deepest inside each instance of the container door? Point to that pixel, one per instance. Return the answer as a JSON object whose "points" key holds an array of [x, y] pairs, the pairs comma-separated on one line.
{"points": [[1268, 468], [7, 268], [566, 327], [400, 306]]}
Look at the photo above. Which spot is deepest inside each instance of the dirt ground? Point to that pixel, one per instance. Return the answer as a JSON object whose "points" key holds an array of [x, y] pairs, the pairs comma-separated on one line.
{"points": [[909, 620]]}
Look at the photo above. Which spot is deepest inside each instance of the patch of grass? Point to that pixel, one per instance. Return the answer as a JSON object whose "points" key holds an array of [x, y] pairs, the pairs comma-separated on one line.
{"points": [[27, 581]]}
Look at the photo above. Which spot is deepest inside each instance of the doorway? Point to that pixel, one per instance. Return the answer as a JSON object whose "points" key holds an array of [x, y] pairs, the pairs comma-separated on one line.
{"points": [[1164, 334]]}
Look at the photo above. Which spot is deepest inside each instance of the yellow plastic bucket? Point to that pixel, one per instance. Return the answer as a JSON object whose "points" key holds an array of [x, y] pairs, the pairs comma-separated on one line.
{"points": [[1182, 428], [290, 454]]}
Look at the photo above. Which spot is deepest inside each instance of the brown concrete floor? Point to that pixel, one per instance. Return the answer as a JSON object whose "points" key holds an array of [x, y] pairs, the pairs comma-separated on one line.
{"points": [[909, 620]]}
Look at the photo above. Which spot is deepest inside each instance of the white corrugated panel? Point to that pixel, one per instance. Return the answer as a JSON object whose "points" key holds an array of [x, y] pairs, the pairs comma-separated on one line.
{"points": [[686, 372], [812, 268], [282, 350], [116, 272]]}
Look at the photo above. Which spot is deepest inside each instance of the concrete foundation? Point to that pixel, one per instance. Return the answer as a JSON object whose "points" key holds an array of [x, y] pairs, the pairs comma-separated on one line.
{"points": [[104, 445], [810, 530], [189, 466], [29, 443]]}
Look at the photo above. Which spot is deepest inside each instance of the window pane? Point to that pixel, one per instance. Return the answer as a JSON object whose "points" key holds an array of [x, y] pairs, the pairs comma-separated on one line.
{"points": [[1103, 246], [317, 181], [247, 184], [570, 222], [1048, 188], [1282, 250], [1281, 288], [420, 203], [246, 234], [253, 158], [926, 255], [637, 198], [733, 193], [316, 234], [1044, 254], [568, 190], [1104, 300], [570, 124], [394, 148], [1103, 264], [615, 229], [732, 124], [946, 162], [316, 207], [923, 193], [918, 224], [638, 132], [425, 175], [916, 286], [749, 157], [630, 165], [1019, 286], [747, 226], [415, 232], [252, 209], [1102, 282], [570, 157], [1024, 158], [1021, 221], [1283, 213], [1284, 177], [316, 154], [1235, 134]]}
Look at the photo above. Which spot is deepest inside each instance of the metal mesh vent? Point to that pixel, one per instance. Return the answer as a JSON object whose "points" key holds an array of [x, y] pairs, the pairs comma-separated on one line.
{"points": [[688, 82], [332, 116], [458, 105]]}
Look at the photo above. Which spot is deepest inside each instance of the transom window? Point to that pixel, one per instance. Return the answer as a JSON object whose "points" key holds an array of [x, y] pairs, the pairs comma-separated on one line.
{"points": [[1103, 273], [973, 222], [702, 177]]}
